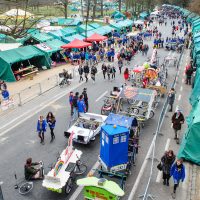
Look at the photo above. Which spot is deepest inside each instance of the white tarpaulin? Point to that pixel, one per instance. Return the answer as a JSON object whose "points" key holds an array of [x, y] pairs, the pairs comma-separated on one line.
{"points": [[138, 22], [51, 28], [8, 46], [155, 13], [17, 13]]}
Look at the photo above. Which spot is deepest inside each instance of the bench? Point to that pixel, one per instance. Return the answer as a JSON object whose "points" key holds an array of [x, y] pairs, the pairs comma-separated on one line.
{"points": [[30, 74]]}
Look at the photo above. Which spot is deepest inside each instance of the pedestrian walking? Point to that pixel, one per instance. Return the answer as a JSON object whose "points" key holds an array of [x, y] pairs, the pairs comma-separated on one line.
{"points": [[93, 73], [41, 128], [75, 106], [85, 97], [51, 120], [113, 71], [167, 161], [126, 74], [71, 96], [189, 72], [178, 174], [120, 64], [86, 71], [171, 99], [108, 71], [80, 71], [81, 105], [104, 70], [177, 120]]}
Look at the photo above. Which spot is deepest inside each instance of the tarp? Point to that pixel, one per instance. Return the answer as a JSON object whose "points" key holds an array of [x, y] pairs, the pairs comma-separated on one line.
{"points": [[143, 15], [76, 44], [96, 37], [17, 13], [42, 37], [117, 26], [189, 149], [107, 29], [83, 28], [8, 46], [7, 58], [68, 22], [95, 25], [89, 33], [72, 37], [69, 31], [196, 28]]}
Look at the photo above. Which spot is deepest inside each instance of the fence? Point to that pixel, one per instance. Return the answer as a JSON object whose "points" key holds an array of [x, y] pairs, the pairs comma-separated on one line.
{"points": [[145, 196], [33, 91]]}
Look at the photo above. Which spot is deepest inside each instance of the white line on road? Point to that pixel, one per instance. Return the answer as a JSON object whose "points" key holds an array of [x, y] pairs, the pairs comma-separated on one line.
{"points": [[101, 96], [181, 89], [79, 189], [158, 178], [179, 97], [144, 164], [183, 80]]}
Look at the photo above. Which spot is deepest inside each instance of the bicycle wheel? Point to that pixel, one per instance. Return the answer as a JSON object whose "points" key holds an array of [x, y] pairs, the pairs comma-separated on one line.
{"points": [[80, 169], [69, 185], [26, 188]]}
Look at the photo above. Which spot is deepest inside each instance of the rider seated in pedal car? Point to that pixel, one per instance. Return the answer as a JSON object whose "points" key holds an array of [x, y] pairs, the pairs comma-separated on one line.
{"points": [[32, 170]]}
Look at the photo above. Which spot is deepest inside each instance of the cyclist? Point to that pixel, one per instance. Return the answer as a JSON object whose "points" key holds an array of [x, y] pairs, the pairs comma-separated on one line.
{"points": [[33, 170]]}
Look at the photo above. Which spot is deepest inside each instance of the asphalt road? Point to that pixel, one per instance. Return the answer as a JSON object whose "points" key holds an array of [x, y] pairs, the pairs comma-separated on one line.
{"points": [[21, 142]]}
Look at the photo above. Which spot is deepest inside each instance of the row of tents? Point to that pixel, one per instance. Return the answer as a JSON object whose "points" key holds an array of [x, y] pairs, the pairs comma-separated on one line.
{"points": [[48, 43], [189, 149]]}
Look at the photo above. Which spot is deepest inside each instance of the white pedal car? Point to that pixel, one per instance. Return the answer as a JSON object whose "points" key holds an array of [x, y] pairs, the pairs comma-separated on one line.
{"points": [[86, 127]]}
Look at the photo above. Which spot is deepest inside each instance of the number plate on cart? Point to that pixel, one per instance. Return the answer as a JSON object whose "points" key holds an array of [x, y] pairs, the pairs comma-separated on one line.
{"points": [[119, 167]]}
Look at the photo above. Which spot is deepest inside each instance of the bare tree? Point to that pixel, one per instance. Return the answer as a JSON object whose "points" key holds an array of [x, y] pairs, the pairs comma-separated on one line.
{"points": [[17, 26], [94, 9], [194, 6]]}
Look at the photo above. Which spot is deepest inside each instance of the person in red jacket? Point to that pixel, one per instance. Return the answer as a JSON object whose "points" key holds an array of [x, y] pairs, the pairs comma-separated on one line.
{"points": [[126, 74]]}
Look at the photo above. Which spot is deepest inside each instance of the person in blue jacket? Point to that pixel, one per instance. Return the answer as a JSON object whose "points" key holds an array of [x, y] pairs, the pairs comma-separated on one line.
{"points": [[41, 128], [178, 173], [81, 105], [51, 120], [5, 94]]}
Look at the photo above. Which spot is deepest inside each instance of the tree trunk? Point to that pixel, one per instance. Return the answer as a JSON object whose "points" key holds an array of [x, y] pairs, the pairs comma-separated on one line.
{"points": [[94, 10], [65, 9], [102, 8], [120, 5]]}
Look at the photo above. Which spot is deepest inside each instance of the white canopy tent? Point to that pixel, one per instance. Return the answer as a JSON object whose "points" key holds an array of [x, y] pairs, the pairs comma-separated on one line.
{"points": [[17, 13], [139, 22], [8, 46]]}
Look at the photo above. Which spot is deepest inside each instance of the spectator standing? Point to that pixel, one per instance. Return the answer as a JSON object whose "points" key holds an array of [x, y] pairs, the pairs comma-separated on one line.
{"points": [[41, 128], [189, 73], [126, 74], [51, 120], [108, 71], [75, 106], [177, 121], [80, 71], [178, 174], [85, 97], [113, 71], [71, 96], [81, 105], [171, 98], [120, 64], [167, 161]]}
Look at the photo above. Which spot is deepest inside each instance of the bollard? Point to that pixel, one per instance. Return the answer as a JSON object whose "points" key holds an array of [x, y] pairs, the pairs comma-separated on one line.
{"points": [[20, 100], [40, 88], [1, 193]]}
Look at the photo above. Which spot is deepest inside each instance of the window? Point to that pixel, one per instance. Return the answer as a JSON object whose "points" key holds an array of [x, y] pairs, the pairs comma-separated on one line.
{"points": [[115, 140], [107, 139], [123, 138]]}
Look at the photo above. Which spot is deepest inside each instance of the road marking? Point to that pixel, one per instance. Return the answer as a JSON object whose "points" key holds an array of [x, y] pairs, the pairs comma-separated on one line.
{"points": [[179, 97], [183, 80], [171, 125], [141, 172], [181, 89], [158, 178], [79, 189], [101, 96], [178, 72]]}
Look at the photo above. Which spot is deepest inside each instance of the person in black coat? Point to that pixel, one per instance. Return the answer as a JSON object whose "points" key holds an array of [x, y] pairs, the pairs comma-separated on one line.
{"points": [[85, 97], [177, 121], [189, 73], [171, 98], [80, 71], [86, 71], [167, 161], [104, 70]]}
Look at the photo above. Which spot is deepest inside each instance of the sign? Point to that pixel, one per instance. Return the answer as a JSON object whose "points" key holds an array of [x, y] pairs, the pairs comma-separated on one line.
{"points": [[43, 47]]}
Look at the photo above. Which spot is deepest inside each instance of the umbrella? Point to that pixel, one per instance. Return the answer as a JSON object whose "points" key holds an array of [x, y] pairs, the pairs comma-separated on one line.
{"points": [[96, 37], [76, 43]]}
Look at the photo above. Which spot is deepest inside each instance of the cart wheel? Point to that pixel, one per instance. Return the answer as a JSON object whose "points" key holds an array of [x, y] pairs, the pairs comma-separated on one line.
{"points": [[26, 188], [69, 185], [80, 169], [135, 111], [151, 114]]}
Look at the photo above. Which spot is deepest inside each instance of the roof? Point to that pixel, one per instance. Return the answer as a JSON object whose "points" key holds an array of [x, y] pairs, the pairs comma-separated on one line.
{"points": [[96, 37], [83, 27], [114, 130], [76, 44], [72, 37], [69, 22], [107, 29], [110, 186], [8, 46], [17, 12], [69, 31], [42, 37], [20, 54], [95, 25]]}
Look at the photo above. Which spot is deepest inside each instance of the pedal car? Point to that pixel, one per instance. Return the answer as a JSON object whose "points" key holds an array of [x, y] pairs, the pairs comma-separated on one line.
{"points": [[63, 174], [86, 127]]}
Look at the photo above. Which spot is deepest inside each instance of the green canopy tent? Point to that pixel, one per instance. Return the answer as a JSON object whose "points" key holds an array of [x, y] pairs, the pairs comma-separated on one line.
{"points": [[27, 53], [72, 37], [116, 26], [107, 29], [144, 15], [195, 19], [68, 31], [82, 28], [190, 17], [95, 25], [127, 23], [69, 22], [89, 33], [196, 28], [189, 149], [196, 50]]}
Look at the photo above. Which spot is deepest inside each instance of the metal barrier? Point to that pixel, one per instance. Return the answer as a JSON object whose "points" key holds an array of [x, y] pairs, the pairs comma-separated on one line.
{"points": [[146, 195]]}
